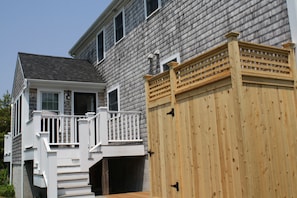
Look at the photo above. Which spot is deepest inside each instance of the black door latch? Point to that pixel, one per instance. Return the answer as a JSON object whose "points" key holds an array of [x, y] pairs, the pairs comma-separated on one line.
{"points": [[150, 153], [171, 112], [176, 186]]}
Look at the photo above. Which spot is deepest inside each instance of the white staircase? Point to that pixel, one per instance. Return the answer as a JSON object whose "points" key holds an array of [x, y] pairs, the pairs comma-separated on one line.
{"points": [[73, 183], [72, 180]]}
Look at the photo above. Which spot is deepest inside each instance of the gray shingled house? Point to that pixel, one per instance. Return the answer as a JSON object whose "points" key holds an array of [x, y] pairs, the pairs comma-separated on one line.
{"points": [[78, 124]]}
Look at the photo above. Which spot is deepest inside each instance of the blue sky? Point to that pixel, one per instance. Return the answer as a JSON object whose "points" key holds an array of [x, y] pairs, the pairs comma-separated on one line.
{"points": [[41, 27]]}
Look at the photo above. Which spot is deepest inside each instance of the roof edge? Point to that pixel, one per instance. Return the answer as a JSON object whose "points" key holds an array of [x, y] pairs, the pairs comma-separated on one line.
{"points": [[66, 84], [92, 29]]}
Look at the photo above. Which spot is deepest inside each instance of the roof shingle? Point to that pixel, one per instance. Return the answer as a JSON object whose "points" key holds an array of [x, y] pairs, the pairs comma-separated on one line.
{"points": [[58, 68]]}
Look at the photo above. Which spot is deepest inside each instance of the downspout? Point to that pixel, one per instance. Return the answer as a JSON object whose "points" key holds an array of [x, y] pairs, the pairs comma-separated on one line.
{"points": [[25, 85]]}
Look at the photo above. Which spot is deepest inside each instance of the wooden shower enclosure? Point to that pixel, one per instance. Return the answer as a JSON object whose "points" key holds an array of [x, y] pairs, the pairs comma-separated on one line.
{"points": [[224, 124]]}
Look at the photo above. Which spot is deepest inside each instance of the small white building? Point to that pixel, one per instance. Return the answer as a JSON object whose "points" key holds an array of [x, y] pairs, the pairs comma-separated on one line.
{"points": [[62, 133]]}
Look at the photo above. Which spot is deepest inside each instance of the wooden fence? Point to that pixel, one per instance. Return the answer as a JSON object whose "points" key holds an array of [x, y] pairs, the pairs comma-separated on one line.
{"points": [[224, 124]]}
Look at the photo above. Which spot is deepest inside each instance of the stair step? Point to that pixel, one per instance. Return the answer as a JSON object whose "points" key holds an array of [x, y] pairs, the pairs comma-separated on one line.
{"points": [[79, 195], [68, 168], [72, 175], [71, 189], [74, 181]]}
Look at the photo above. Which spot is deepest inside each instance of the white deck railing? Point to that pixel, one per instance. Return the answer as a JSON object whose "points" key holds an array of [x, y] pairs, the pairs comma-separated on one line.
{"points": [[110, 126], [104, 127], [123, 126], [62, 129]]}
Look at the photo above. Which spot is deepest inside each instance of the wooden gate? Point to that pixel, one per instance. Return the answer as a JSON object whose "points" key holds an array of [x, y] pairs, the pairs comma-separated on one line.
{"points": [[224, 124], [164, 157]]}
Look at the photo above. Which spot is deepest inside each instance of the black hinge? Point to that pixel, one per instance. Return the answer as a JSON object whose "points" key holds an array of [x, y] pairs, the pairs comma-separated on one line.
{"points": [[176, 186], [150, 153], [171, 112]]}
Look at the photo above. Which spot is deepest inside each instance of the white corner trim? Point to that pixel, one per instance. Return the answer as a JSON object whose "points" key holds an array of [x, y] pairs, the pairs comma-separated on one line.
{"points": [[292, 12]]}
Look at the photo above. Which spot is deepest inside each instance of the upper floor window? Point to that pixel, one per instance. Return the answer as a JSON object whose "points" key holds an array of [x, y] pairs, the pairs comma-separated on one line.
{"points": [[151, 6], [119, 26], [113, 99], [50, 101], [164, 63], [100, 46]]}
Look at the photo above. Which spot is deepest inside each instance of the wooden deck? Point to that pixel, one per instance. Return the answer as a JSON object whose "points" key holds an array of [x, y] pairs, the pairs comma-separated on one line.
{"points": [[129, 195]]}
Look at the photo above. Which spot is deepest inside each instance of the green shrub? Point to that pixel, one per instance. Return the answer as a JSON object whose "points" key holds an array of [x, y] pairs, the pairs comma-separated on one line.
{"points": [[7, 191], [4, 177]]}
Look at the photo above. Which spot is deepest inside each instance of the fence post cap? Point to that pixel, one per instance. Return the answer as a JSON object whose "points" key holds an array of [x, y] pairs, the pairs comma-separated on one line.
{"points": [[102, 109], [172, 64], [147, 76], [289, 45], [231, 35]]}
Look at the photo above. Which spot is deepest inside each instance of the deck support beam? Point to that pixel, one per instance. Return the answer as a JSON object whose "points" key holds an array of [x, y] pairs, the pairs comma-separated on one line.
{"points": [[105, 177]]}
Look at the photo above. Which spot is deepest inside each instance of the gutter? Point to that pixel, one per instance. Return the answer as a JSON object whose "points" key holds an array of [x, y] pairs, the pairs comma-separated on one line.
{"points": [[37, 83]]}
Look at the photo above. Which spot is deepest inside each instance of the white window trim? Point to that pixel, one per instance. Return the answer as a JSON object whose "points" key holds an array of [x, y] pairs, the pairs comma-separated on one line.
{"points": [[145, 9], [116, 87], [18, 116], [103, 31], [60, 95], [114, 27], [166, 60]]}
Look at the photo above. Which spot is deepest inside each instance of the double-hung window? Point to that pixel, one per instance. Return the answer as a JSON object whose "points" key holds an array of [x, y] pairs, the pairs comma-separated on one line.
{"points": [[119, 26], [151, 6], [113, 100], [50, 101], [17, 116], [100, 46]]}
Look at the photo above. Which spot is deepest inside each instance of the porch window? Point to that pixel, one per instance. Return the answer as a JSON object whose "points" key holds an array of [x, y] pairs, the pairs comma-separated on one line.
{"points": [[119, 26], [50, 101], [113, 100], [100, 46], [151, 6]]}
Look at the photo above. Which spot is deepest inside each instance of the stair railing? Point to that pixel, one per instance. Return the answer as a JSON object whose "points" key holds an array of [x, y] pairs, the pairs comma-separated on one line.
{"points": [[48, 164]]}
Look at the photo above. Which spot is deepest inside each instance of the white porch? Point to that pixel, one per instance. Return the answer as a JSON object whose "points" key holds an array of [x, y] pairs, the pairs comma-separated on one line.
{"points": [[64, 147]]}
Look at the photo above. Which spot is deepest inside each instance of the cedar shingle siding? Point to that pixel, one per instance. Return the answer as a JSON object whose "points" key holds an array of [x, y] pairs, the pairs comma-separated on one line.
{"points": [[18, 82], [184, 27]]}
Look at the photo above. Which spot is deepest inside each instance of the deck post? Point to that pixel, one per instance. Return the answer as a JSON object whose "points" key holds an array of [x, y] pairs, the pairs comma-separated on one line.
{"points": [[105, 177], [89, 115], [83, 130], [103, 129]]}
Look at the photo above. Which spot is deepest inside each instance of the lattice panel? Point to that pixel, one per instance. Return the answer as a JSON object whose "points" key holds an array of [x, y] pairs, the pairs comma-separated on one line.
{"points": [[159, 86], [203, 69], [264, 60]]}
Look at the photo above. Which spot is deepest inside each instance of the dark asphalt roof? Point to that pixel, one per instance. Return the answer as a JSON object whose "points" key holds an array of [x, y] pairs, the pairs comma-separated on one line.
{"points": [[58, 68]]}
